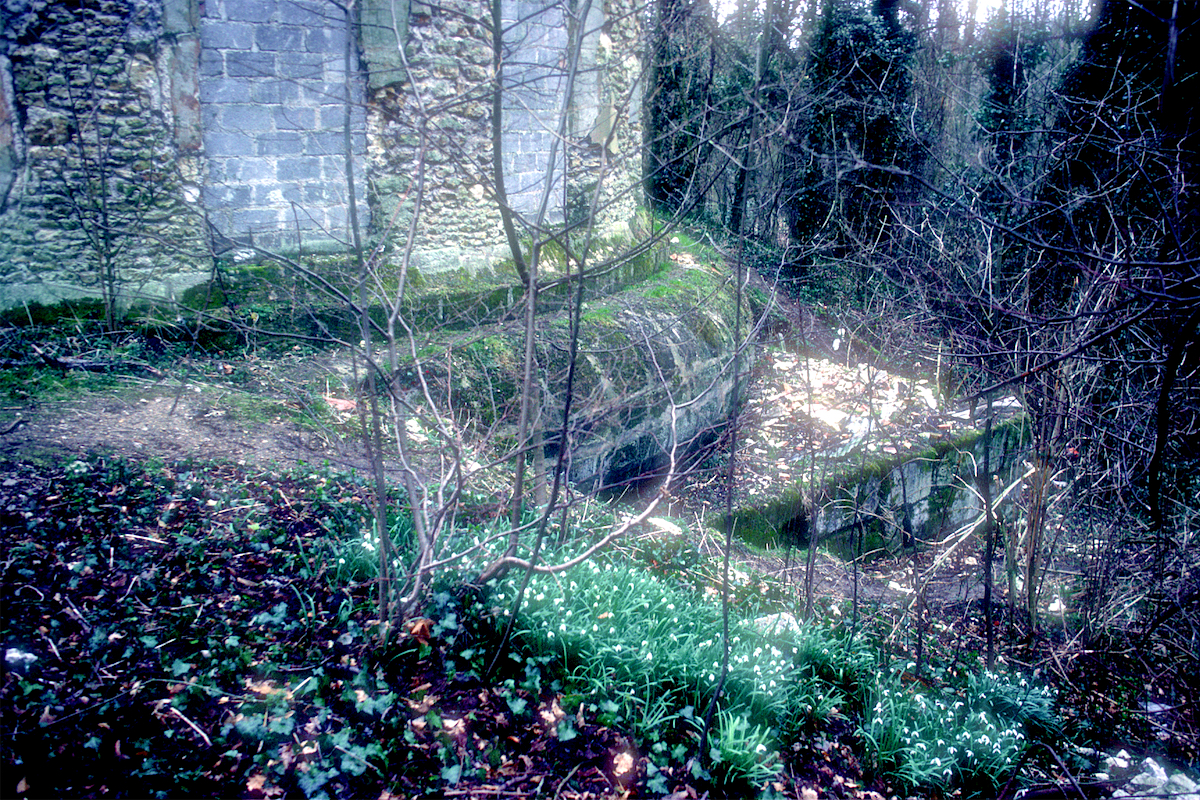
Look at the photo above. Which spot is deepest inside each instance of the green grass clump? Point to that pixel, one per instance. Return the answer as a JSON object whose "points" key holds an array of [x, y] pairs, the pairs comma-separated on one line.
{"points": [[966, 738], [637, 642], [646, 652]]}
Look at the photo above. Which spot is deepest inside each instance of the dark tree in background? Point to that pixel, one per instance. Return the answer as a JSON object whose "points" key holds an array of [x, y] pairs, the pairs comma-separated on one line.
{"points": [[1008, 201], [1119, 208], [678, 103], [837, 204]]}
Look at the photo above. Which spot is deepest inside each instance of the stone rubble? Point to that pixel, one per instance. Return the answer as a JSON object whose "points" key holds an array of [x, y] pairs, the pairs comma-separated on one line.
{"points": [[1151, 779]]}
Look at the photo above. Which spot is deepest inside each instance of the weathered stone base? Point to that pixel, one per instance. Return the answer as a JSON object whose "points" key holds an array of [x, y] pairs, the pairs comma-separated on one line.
{"points": [[890, 499]]}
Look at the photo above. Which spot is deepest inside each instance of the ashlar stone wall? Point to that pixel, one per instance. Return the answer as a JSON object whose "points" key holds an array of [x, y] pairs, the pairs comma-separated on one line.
{"points": [[273, 89]]}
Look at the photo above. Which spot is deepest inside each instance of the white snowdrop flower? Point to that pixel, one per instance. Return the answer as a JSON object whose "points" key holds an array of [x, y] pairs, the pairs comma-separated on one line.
{"points": [[762, 748]]}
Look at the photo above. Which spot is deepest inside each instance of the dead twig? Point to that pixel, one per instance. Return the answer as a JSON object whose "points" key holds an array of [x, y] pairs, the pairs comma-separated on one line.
{"points": [[192, 725]]}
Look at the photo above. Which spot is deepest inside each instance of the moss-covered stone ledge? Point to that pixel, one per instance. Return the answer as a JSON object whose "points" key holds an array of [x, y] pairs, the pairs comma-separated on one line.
{"points": [[921, 492], [653, 369], [653, 372], [447, 297]]}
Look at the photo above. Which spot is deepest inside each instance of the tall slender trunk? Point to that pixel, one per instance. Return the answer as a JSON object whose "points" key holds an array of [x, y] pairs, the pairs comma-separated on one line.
{"points": [[983, 483]]}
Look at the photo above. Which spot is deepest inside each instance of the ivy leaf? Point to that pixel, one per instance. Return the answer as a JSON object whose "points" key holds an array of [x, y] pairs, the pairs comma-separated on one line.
{"points": [[452, 774]]}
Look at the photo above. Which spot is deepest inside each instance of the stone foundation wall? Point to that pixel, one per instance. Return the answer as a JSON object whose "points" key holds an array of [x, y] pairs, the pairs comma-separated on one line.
{"points": [[430, 125]]}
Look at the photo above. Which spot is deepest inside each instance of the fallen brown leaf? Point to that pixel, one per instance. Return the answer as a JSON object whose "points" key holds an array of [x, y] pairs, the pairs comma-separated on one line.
{"points": [[338, 404]]}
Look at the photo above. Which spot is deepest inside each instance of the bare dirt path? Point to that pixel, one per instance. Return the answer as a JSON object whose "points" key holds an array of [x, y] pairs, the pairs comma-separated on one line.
{"points": [[160, 421]]}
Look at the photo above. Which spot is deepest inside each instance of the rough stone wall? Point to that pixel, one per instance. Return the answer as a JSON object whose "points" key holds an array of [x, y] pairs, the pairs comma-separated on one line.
{"points": [[212, 123], [93, 157], [606, 120], [273, 85], [430, 136]]}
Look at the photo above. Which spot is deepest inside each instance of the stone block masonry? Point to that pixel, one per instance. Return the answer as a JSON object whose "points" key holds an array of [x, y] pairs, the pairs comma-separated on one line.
{"points": [[229, 116], [535, 84], [273, 92]]}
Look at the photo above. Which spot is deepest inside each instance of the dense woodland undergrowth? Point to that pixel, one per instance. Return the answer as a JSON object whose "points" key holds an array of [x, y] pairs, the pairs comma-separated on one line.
{"points": [[208, 630], [200, 628]]}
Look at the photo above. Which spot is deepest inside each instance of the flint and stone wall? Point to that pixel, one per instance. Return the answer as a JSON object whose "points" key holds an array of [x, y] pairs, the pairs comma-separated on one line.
{"points": [[164, 132], [97, 158], [436, 111]]}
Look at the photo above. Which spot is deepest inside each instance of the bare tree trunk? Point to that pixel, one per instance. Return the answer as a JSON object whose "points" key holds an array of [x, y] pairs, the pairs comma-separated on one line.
{"points": [[506, 215], [983, 483]]}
